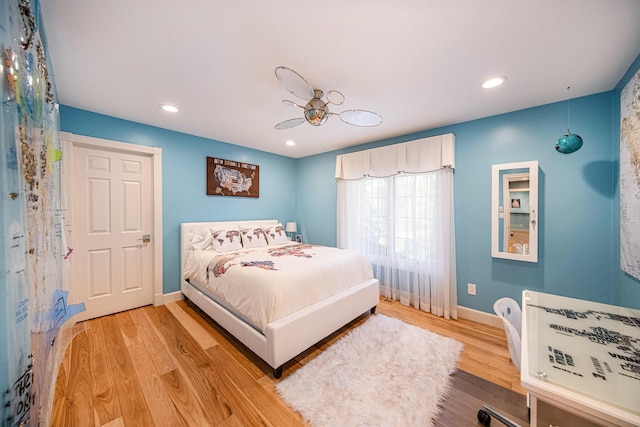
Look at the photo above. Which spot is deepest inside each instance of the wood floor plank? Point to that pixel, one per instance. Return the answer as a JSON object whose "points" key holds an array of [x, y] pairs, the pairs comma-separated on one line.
{"points": [[232, 421], [132, 403], [238, 405], [184, 399], [252, 363], [234, 399], [63, 374], [59, 405], [162, 360], [77, 406], [60, 401], [191, 360], [195, 328], [118, 422], [105, 396], [229, 386], [161, 407], [269, 387], [249, 390]]}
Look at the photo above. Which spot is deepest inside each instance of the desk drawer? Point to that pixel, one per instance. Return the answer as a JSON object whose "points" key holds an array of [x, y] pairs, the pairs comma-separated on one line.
{"points": [[549, 415]]}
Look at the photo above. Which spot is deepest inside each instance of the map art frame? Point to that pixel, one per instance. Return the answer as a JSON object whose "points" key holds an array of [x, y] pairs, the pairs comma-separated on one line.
{"points": [[630, 177], [231, 178]]}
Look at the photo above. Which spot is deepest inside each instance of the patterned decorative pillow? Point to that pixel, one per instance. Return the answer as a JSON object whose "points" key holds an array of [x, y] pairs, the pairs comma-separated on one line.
{"points": [[225, 240], [253, 237], [276, 235], [201, 239]]}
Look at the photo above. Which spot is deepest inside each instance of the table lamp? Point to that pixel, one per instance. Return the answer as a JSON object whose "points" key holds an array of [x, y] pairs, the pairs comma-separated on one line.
{"points": [[291, 228]]}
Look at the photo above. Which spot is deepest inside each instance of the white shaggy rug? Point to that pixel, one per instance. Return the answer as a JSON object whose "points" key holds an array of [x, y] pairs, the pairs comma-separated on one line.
{"points": [[383, 373]]}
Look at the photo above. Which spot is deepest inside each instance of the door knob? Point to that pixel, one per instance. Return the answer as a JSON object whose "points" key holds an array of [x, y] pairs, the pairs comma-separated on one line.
{"points": [[146, 238]]}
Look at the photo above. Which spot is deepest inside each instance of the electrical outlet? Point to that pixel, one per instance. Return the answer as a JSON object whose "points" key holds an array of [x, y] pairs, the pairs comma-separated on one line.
{"points": [[471, 288]]}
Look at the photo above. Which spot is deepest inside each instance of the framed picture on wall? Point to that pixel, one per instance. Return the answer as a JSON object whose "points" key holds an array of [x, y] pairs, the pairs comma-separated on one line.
{"points": [[231, 178]]}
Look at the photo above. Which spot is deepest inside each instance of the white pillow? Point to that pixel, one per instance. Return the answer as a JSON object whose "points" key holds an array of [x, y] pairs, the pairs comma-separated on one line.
{"points": [[225, 240], [276, 235], [253, 237], [201, 239]]}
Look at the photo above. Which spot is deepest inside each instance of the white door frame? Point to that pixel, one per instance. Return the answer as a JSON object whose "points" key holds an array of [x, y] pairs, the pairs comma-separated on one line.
{"points": [[69, 142]]}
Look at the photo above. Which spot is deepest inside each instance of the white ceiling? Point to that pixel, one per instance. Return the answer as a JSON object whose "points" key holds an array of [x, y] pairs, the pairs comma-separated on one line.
{"points": [[417, 63]]}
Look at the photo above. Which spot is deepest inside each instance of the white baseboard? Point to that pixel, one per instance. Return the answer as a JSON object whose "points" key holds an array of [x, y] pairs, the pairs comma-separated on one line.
{"points": [[162, 299], [480, 317]]}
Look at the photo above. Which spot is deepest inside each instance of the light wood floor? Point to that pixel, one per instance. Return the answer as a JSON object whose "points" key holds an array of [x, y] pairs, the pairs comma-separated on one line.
{"points": [[173, 366]]}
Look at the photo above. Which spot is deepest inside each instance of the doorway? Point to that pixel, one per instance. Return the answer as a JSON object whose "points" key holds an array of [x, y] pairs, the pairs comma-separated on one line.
{"points": [[113, 192]]}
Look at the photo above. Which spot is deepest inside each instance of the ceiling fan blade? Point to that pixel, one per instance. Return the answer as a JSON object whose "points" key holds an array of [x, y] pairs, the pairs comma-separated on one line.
{"points": [[290, 123], [361, 118], [291, 103], [335, 97], [294, 83]]}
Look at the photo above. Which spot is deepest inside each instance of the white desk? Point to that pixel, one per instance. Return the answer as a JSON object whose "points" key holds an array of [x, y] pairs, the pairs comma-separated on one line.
{"points": [[582, 357]]}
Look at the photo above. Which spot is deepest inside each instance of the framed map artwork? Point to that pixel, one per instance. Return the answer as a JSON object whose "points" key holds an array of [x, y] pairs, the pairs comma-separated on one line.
{"points": [[230, 178]]}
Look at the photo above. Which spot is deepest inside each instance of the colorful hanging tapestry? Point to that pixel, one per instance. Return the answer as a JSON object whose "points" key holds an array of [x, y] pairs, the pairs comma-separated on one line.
{"points": [[32, 239], [630, 177]]}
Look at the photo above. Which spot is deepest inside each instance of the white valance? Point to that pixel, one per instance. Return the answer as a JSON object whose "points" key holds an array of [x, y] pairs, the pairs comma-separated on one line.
{"points": [[419, 156]]}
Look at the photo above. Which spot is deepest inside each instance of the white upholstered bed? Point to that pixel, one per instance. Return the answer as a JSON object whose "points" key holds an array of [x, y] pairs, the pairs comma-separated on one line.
{"points": [[279, 340]]}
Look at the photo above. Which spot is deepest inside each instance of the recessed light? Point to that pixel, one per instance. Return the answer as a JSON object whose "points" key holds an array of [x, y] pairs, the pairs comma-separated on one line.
{"points": [[290, 143], [169, 108], [493, 82]]}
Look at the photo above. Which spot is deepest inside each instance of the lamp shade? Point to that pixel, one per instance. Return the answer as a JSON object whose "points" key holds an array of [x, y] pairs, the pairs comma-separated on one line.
{"points": [[291, 227]]}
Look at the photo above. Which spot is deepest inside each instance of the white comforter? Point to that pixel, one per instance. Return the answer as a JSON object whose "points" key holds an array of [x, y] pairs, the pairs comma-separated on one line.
{"points": [[265, 284]]}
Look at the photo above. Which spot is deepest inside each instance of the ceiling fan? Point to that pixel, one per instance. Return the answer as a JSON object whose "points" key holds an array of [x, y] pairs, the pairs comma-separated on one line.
{"points": [[316, 110]]}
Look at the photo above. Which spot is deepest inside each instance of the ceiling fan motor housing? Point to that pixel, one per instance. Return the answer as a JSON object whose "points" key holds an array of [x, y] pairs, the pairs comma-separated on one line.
{"points": [[316, 112]]}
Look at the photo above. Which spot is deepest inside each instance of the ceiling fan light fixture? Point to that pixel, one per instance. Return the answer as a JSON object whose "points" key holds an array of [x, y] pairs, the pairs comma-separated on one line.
{"points": [[494, 82], [315, 117], [316, 111]]}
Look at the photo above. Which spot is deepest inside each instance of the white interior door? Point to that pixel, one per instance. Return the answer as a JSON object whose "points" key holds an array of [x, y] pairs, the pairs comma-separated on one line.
{"points": [[112, 228]]}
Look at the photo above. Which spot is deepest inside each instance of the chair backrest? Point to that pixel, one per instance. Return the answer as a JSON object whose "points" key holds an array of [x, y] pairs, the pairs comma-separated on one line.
{"points": [[511, 315]]}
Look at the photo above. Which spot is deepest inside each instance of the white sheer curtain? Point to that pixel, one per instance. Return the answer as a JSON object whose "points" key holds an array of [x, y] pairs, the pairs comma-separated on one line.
{"points": [[403, 222]]}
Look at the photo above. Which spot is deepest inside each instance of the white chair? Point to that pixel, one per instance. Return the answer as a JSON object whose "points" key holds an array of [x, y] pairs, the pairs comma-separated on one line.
{"points": [[511, 315]]}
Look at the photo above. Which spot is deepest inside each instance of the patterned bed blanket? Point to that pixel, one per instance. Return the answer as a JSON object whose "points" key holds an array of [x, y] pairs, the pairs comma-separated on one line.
{"points": [[264, 284], [223, 263]]}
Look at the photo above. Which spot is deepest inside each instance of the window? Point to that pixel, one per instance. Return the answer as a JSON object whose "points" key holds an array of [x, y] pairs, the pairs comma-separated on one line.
{"points": [[404, 224]]}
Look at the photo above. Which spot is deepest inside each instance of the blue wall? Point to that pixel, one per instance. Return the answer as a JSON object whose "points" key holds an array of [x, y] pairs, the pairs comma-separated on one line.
{"points": [[184, 196], [579, 200], [576, 200]]}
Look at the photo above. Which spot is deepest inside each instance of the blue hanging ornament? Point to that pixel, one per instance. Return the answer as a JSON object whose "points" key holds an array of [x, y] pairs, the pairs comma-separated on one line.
{"points": [[569, 142]]}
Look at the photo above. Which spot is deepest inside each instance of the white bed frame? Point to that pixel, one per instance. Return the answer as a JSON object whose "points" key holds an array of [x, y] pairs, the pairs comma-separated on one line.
{"points": [[291, 335]]}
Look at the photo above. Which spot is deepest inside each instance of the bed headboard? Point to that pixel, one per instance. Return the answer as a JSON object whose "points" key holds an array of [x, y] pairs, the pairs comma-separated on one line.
{"points": [[189, 229]]}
